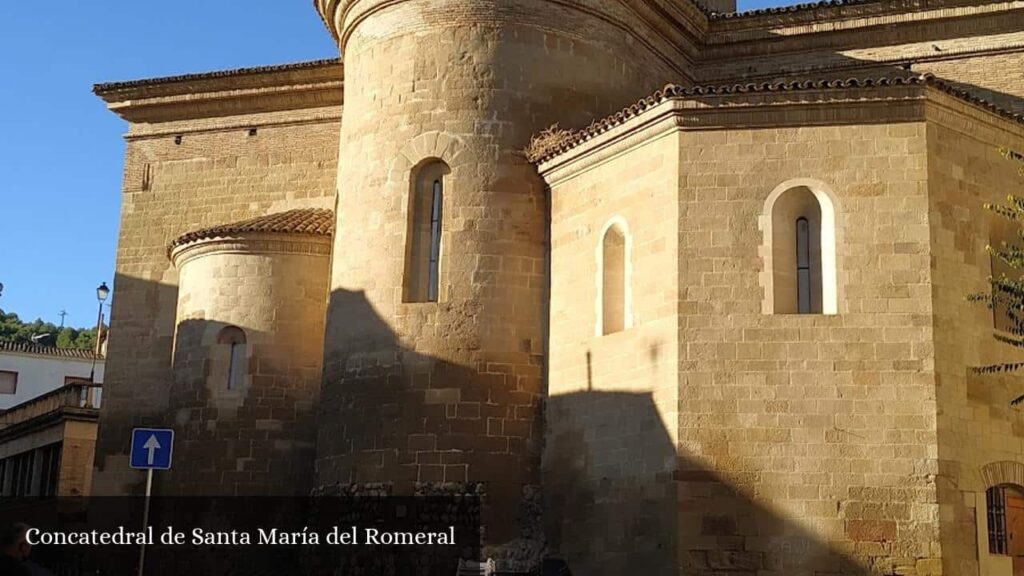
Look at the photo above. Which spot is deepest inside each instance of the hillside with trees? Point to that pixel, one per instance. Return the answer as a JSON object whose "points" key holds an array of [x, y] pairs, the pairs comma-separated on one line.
{"points": [[13, 329]]}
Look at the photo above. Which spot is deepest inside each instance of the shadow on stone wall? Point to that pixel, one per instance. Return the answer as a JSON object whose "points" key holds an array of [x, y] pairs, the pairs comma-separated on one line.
{"points": [[617, 496], [137, 377], [389, 414], [620, 500], [608, 486], [255, 440]]}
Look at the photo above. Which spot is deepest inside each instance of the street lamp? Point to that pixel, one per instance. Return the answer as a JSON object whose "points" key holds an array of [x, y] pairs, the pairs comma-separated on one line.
{"points": [[102, 292]]}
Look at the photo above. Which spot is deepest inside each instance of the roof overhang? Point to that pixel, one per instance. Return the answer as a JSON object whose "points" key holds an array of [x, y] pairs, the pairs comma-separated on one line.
{"points": [[298, 86], [560, 154]]}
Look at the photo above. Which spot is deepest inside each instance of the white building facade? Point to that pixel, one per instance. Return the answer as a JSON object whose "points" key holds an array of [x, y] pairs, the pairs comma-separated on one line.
{"points": [[28, 370]]}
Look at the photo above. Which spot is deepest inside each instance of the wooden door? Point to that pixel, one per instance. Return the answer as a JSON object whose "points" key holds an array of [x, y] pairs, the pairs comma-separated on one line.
{"points": [[1015, 528]]}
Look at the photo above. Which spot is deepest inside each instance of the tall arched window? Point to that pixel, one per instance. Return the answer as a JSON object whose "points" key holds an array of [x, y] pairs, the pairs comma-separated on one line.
{"points": [[231, 357], [614, 262], [801, 256], [426, 212]]}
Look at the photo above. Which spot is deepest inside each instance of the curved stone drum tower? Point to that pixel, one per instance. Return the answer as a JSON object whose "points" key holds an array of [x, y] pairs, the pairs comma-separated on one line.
{"points": [[247, 354], [435, 336]]}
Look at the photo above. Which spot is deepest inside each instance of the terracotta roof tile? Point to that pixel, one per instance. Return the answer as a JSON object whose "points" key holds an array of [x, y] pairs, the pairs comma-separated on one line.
{"points": [[803, 7], [555, 142], [112, 86], [38, 350], [311, 221]]}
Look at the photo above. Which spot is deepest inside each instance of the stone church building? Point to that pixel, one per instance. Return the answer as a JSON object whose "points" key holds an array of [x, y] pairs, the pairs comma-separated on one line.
{"points": [[714, 322]]}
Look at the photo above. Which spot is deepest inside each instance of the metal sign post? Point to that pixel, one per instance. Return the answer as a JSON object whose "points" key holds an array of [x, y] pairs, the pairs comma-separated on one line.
{"points": [[152, 449], [145, 519]]}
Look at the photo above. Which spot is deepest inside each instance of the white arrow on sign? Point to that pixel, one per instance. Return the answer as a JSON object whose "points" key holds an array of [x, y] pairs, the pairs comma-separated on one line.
{"points": [[151, 446]]}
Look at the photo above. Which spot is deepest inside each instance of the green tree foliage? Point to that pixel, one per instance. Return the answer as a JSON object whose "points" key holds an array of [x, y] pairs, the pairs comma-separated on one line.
{"points": [[13, 329], [1006, 292]]}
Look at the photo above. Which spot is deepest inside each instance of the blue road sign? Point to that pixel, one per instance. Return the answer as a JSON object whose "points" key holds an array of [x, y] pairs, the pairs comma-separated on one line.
{"points": [[152, 448]]}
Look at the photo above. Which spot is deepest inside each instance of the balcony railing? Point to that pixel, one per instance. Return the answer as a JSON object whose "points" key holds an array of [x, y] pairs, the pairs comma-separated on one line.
{"points": [[80, 395]]}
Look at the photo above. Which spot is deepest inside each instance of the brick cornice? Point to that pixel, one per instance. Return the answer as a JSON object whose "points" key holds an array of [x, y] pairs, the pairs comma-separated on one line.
{"points": [[233, 92], [248, 120], [831, 14]]}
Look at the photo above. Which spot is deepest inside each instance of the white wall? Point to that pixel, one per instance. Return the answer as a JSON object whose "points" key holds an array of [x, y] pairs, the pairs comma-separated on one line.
{"points": [[38, 374]]}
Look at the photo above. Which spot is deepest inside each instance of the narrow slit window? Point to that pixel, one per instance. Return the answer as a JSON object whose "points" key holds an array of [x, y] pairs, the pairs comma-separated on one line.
{"points": [[234, 374], [613, 281], [232, 342], [435, 240], [423, 267], [803, 265]]}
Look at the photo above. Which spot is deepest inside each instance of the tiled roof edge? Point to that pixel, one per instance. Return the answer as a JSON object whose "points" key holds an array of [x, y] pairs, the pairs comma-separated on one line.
{"points": [[107, 87], [554, 141], [803, 7], [310, 221], [39, 350]]}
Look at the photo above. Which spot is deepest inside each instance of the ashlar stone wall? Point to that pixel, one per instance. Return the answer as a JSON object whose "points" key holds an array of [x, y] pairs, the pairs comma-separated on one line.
{"points": [[977, 427], [612, 408], [216, 173]]}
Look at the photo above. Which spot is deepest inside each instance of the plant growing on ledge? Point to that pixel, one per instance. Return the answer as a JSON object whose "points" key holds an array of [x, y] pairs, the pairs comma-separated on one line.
{"points": [[1006, 290]]}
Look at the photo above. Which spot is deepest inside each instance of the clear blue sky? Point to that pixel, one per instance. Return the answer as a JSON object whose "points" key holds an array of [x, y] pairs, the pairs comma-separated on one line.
{"points": [[61, 150]]}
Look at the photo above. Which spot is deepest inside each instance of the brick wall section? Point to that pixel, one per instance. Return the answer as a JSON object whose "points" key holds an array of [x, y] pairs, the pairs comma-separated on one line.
{"points": [[212, 177], [981, 51], [976, 424], [998, 78], [613, 399]]}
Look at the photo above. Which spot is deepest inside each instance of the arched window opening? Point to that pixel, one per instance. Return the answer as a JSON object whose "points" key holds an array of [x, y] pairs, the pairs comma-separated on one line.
{"points": [[426, 213], [802, 253], [613, 281], [1005, 511], [231, 356]]}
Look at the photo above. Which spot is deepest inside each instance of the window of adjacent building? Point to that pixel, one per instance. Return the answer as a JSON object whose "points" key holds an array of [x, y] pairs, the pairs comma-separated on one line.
{"points": [[613, 280], [49, 473], [230, 358], [1005, 508], [18, 475], [802, 254], [8, 382], [35, 473], [426, 216]]}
